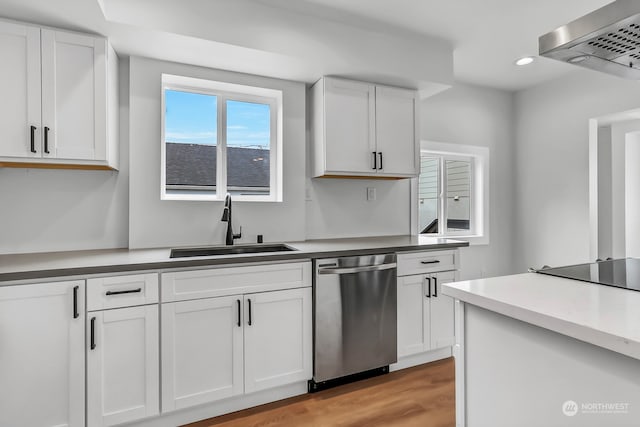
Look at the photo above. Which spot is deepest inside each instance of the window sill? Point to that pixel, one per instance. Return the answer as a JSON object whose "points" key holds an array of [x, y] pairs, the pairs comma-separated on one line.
{"points": [[214, 198], [474, 240]]}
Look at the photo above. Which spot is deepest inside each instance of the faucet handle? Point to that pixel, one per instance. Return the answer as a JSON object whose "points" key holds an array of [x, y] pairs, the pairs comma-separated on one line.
{"points": [[239, 235]]}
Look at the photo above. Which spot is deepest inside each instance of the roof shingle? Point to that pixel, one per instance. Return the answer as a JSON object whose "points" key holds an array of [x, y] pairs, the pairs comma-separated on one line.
{"points": [[195, 164]]}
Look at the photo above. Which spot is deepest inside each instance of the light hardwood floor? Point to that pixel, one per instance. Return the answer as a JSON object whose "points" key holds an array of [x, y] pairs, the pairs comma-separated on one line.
{"points": [[423, 396]]}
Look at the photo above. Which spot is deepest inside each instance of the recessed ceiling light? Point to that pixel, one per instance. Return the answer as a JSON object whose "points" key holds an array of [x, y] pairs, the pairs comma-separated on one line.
{"points": [[525, 60]]}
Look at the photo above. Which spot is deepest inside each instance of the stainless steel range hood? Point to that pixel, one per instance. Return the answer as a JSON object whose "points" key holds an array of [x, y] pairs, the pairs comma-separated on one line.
{"points": [[606, 40]]}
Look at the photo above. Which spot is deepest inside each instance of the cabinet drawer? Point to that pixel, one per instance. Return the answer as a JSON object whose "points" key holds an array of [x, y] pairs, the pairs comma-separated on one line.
{"points": [[426, 262], [122, 291], [217, 282]]}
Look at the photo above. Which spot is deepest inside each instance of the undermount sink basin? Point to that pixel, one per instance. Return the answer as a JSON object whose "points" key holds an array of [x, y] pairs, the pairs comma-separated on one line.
{"points": [[228, 250]]}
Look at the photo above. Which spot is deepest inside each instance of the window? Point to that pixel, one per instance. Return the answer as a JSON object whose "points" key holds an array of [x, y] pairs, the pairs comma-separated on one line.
{"points": [[452, 197], [220, 138], [444, 192]]}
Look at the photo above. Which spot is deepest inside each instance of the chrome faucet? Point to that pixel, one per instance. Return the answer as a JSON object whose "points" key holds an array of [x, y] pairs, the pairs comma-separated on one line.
{"points": [[226, 217]]}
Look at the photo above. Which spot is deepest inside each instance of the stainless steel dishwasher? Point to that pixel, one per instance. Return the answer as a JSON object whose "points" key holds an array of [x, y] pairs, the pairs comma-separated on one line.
{"points": [[355, 316]]}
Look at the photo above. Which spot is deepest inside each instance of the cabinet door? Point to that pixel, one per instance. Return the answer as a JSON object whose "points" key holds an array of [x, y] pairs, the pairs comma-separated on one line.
{"points": [[20, 89], [396, 131], [277, 336], [74, 96], [413, 315], [349, 127], [442, 313], [123, 381], [202, 355], [42, 354]]}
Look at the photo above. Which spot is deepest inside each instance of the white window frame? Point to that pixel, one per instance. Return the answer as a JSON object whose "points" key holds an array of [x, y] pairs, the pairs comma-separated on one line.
{"points": [[227, 92], [479, 194]]}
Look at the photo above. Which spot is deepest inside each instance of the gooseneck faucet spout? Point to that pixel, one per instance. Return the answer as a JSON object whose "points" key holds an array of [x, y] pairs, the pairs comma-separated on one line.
{"points": [[226, 217]]}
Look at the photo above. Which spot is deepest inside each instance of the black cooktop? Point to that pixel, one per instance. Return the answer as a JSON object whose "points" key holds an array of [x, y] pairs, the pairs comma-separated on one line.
{"points": [[621, 273]]}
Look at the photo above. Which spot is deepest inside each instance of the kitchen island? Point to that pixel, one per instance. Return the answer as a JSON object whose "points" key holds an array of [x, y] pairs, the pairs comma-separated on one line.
{"points": [[536, 350]]}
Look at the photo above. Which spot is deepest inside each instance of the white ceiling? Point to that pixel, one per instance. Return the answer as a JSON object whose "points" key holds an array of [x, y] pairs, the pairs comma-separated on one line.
{"points": [[487, 35]]}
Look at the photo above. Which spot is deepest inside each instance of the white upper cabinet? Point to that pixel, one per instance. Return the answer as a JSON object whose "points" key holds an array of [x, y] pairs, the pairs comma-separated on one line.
{"points": [[20, 113], [396, 131], [59, 104], [73, 96], [350, 126], [362, 129]]}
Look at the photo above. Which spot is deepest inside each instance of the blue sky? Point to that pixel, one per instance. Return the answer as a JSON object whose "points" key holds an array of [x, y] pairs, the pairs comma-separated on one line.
{"points": [[190, 118]]}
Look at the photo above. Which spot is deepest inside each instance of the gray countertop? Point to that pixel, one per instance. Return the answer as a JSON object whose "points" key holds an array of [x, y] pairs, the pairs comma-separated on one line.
{"points": [[78, 263]]}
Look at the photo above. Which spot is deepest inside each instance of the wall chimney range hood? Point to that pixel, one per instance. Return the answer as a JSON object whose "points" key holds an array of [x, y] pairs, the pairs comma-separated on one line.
{"points": [[607, 40]]}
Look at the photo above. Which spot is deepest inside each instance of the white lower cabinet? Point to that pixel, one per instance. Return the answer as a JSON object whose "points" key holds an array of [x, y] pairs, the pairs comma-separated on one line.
{"points": [[122, 365], [202, 351], [425, 316], [215, 348], [277, 343], [442, 313], [42, 354]]}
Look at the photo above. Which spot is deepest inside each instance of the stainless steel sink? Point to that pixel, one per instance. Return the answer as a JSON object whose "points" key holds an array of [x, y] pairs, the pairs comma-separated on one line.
{"points": [[229, 250]]}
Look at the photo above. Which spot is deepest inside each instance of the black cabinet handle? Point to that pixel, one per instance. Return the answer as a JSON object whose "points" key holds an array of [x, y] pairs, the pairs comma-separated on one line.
{"points": [[380, 154], [239, 321], [435, 287], [33, 139], [46, 139], [428, 295], [128, 291], [75, 302], [436, 261], [93, 333], [375, 160], [249, 312]]}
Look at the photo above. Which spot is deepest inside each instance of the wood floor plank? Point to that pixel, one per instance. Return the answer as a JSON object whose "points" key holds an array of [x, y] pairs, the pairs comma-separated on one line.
{"points": [[423, 396]]}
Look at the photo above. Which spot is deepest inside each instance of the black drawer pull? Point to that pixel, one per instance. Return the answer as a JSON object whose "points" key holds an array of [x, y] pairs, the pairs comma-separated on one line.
{"points": [[380, 154], [75, 302], [239, 320], [375, 160], [435, 261], [249, 312], [435, 287], [46, 139], [129, 291], [33, 139], [428, 295], [93, 333]]}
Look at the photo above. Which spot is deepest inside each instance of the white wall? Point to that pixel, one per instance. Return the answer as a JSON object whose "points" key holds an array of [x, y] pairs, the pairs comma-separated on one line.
{"points": [[159, 223], [44, 210], [619, 233], [632, 194], [283, 43], [551, 163], [605, 211], [474, 115], [339, 208]]}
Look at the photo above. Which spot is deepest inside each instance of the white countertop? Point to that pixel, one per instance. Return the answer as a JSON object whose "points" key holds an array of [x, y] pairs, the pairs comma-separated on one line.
{"points": [[58, 264], [601, 315]]}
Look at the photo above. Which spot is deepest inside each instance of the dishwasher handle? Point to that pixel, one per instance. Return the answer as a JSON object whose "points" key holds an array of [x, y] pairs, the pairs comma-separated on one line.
{"points": [[348, 270]]}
